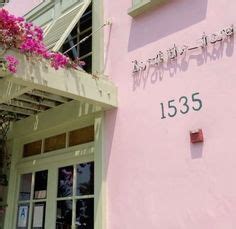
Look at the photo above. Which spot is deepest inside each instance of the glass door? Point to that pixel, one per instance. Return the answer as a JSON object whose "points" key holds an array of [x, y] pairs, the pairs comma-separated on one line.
{"points": [[75, 196], [68, 191], [32, 200]]}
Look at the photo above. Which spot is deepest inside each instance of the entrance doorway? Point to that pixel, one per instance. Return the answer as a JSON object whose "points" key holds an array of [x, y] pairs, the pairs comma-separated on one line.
{"points": [[56, 194]]}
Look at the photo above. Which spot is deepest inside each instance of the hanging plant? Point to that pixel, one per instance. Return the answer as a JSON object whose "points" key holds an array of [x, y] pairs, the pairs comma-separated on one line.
{"points": [[16, 33]]}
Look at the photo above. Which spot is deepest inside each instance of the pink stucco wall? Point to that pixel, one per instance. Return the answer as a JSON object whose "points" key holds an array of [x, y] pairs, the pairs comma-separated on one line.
{"points": [[156, 178], [21, 7]]}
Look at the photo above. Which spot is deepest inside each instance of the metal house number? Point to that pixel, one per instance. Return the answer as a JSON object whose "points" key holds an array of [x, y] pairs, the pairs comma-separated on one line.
{"points": [[185, 105]]}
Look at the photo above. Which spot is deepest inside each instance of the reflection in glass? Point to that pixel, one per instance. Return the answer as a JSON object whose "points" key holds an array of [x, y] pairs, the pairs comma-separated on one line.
{"points": [[25, 186], [85, 179], [22, 218], [38, 215], [65, 181], [84, 213], [40, 187], [64, 214]]}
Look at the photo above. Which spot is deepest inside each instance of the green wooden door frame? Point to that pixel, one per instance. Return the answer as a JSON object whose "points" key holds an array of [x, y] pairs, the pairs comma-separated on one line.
{"points": [[52, 166], [20, 165]]}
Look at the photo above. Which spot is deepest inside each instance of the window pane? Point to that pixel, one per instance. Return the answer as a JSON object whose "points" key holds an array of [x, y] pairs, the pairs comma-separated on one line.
{"points": [[86, 46], [64, 214], [22, 218], [74, 31], [65, 181], [86, 19], [84, 214], [25, 186], [85, 179], [67, 45], [40, 187], [39, 215], [88, 63], [32, 148], [81, 136], [55, 142]]}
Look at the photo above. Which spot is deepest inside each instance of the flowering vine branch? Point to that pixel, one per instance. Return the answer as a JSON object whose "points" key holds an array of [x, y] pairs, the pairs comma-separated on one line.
{"points": [[15, 32]]}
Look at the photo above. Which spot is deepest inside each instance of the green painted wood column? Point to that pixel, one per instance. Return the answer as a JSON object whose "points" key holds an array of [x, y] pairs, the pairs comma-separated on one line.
{"points": [[100, 178]]}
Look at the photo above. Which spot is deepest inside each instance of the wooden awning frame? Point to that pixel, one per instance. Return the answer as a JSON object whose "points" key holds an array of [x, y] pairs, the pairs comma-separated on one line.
{"points": [[36, 87]]}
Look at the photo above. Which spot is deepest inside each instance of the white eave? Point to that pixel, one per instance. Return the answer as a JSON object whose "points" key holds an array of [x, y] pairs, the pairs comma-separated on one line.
{"points": [[37, 87]]}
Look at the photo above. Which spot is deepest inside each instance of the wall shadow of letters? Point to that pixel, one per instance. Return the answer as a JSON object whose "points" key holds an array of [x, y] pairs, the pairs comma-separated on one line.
{"points": [[201, 56]]}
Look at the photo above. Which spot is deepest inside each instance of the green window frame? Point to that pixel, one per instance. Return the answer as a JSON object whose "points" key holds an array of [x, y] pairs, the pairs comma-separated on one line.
{"points": [[3, 3], [142, 6]]}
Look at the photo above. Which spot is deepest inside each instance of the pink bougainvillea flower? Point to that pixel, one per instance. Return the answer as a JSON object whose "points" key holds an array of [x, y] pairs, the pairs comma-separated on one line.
{"points": [[59, 60], [15, 32], [11, 62], [11, 59]]}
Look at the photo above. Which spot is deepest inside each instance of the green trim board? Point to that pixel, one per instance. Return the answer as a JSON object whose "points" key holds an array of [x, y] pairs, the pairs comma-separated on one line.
{"points": [[141, 6], [36, 11], [66, 117], [69, 83], [42, 14], [98, 37], [100, 172]]}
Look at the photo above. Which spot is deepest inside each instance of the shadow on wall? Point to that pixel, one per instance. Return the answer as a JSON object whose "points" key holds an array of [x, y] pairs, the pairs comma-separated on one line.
{"points": [[110, 124], [154, 73], [169, 18], [196, 150]]}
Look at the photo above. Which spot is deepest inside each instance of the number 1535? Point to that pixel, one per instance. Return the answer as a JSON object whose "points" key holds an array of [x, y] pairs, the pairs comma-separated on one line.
{"points": [[184, 103]]}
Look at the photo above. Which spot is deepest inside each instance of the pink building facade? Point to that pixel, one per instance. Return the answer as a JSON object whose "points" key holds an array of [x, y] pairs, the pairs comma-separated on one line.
{"points": [[173, 65], [156, 177]]}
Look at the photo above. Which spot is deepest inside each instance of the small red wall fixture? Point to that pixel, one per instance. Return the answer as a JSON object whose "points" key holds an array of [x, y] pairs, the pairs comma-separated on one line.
{"points": [[196, 136]]}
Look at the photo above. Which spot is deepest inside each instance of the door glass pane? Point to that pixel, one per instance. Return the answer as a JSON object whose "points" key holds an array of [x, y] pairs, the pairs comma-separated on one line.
{"points": [[85, 179], [38, 215], [65, 181], [40, 187], [64, 214], [84, 213], [22, 217], [25, 186]]}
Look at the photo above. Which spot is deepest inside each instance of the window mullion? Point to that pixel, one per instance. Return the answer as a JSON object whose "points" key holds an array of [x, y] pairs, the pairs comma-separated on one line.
{"points": [[73, 197], [86, 30], [31, 200], [51, 198]]}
